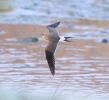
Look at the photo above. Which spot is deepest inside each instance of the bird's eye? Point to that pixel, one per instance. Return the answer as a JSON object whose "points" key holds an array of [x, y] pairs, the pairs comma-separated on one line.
{"points": [[41, 34]]}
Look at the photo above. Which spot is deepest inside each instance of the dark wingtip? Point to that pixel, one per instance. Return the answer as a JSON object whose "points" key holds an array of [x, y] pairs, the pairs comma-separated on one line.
{"points": [[53, 73], [54, 25], [51, 61]]}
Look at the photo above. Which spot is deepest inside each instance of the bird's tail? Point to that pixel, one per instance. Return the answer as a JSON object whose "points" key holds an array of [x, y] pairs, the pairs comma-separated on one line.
{"points": [[66, 39]]}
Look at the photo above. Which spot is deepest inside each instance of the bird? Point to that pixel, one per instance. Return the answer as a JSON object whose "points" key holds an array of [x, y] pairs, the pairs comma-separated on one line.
{"points": [[53, 38]]}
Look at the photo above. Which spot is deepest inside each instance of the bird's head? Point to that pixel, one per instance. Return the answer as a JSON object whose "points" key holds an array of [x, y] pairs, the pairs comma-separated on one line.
{"points": [[42, 35], [45, 36]]}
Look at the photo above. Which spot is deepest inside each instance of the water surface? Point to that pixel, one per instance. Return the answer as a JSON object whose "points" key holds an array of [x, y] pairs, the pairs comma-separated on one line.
{"points": [[82, 66]]}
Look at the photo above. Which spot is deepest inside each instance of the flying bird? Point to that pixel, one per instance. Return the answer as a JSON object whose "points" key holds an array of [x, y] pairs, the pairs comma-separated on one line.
{"points": [[53, 38]]}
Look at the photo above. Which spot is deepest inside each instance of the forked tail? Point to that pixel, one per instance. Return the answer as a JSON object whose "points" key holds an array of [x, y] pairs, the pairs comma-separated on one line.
{"points": [[66, 39]]}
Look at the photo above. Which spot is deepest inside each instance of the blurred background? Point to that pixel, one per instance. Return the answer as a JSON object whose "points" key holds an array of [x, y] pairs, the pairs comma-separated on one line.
{"points": [[82, 66]]}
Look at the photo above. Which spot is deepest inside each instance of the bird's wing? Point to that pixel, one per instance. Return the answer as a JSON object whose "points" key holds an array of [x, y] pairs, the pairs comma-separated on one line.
{"points": [[53, 25], [49, 51], [52, 28]]}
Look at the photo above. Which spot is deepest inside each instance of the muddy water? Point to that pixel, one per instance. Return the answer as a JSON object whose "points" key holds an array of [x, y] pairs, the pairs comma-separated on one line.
{"points": [[82, 66]]}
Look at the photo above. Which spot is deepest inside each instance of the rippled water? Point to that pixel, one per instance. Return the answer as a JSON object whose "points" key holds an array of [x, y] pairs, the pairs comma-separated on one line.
{"points": [[41, 11], [82, 66]]}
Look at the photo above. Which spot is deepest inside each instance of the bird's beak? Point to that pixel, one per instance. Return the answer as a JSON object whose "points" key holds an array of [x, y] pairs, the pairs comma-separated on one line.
{"points": [[41, 35]]}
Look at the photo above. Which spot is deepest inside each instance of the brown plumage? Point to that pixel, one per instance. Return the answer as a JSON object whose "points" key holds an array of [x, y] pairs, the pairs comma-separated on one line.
{"points": [[49, 51], [51, 61], [53, 38]]}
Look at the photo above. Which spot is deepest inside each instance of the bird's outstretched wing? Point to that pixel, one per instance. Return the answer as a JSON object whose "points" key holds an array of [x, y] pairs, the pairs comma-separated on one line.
{"points": [[52, 28], [51, 61], [49, 51], [51, 47], [53, 25]]}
